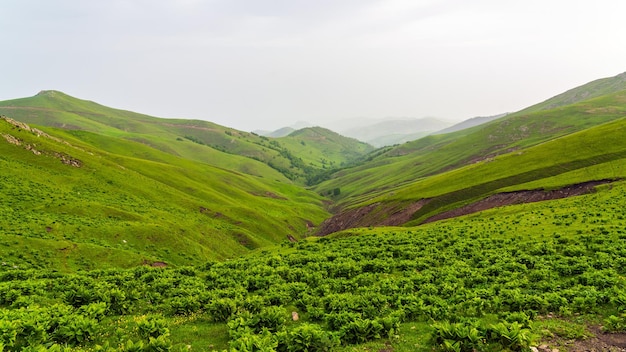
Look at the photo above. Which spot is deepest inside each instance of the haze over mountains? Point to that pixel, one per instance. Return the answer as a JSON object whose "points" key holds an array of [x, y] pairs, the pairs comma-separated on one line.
{"points": [[376, 132]]}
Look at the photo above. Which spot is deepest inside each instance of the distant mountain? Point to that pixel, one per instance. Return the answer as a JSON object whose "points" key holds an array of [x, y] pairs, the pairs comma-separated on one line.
{"points": [[394, 131], [393, 139], [284, 131], [281, 132], [474, 121], [587, 91]]}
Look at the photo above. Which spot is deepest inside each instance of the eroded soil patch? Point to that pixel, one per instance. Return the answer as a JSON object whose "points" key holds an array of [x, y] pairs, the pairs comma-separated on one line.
{"points": [[519, 197], [380, 214]]}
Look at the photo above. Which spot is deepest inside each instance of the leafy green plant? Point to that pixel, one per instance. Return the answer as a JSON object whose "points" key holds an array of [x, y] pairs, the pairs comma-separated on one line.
{"points": [[76, 329], [308, 337], [152, 327], [615, 323]]}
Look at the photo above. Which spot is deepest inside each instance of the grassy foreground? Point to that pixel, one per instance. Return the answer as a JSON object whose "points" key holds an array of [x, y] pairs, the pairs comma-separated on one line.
{"points": [[499, 280]]}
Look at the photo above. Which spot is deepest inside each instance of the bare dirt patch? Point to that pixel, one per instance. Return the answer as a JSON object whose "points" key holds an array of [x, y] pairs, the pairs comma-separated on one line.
{"points": [[376, 214], [380, 214], [519, 197], [601, 342]]}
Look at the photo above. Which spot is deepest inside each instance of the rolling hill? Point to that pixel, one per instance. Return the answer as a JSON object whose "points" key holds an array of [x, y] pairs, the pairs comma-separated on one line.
{"points": [[197, 140], [433, 157], [587, 91], [70, 204]]}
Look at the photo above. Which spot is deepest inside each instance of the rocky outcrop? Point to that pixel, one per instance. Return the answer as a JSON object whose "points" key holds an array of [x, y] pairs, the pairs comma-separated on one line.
{"points": [[65, 158]]}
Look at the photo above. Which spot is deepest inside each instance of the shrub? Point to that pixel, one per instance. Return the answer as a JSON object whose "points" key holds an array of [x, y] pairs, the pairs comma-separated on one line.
{"points": [[152, 327], [615, 323], [76, 329], [221, 309], [308, 337], [8, 333]]}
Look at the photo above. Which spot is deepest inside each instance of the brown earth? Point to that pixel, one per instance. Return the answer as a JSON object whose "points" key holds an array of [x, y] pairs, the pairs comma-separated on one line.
{"points": [[380, 214], [602, 341], [519, 197], [376, 214]]}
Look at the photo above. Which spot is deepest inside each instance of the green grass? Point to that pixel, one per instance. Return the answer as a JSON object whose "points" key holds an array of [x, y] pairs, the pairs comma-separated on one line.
{"points": [[145, 205], [556, 267], [594, 89], [196, 140], [75, 241], [323, 148], [434, 155]]}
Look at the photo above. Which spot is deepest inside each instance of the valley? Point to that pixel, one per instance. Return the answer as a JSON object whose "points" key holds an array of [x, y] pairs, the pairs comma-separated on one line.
{"points": [[126, 232]]}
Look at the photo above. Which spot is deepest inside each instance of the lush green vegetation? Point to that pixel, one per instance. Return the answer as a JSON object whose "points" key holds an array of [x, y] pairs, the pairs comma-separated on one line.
{"points": [[196, 140], [125, 232], [432, 155], [492, 281], [122, 210], [587, 91]]}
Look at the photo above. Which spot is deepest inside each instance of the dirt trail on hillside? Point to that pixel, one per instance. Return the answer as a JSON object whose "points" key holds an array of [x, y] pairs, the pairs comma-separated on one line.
{"points": [[380, 214]]}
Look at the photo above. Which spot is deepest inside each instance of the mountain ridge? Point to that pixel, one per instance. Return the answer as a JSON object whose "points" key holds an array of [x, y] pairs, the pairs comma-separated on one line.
{"points": [[198, 140]]}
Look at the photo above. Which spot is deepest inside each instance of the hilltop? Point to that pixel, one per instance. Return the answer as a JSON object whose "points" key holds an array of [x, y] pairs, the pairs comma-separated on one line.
{"points": [[196, 140], [74, 205], [587, 91]]}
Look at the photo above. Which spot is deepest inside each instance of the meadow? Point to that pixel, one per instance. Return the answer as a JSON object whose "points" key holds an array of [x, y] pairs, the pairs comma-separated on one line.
{"points": [[503, 279], [121, 210]]}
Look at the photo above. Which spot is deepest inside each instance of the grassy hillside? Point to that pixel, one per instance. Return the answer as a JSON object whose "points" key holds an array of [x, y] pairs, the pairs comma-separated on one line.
{"points": [[68, 205], [597, 153], [436, 154], [191, 139], [100, 217], [587, 91], [544, 273]]}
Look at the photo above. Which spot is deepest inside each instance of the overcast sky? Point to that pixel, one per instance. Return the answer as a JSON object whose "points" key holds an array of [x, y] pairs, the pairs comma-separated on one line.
{"points": [[252, 64]]}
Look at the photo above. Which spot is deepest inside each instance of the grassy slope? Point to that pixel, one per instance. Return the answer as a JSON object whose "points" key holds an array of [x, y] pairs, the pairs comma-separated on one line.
{"points": [[594, 154], [587, 91], [119, 209], [436, 154], [559, 262], [555, 226], [191, 139]]}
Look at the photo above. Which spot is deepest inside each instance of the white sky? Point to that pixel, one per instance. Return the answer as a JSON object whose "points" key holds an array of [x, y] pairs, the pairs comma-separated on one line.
{"points": [[265, 64]]}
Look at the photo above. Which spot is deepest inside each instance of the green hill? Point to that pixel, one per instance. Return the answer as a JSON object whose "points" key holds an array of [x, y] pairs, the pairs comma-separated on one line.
{"points": [[323, 148], [502, 280], [437, 154], [191, 139], [67, 204], [587, 91]]}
